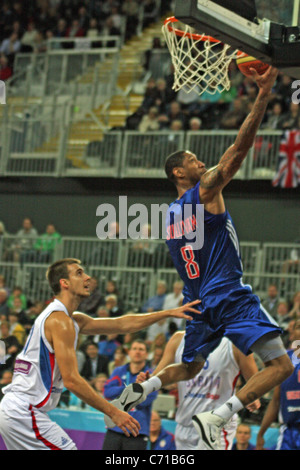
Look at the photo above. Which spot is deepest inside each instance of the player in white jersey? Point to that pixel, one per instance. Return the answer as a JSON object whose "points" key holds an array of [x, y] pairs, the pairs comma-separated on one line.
{"points": [[213, 385], [48, 363]]}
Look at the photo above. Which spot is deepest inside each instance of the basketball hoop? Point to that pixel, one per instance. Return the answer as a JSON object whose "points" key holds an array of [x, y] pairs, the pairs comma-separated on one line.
{"points": [[200, 62]]}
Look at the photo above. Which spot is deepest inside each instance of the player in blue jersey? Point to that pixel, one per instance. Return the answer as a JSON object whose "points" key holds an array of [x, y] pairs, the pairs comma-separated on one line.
{"points": [[285, 403], [213, 274]]}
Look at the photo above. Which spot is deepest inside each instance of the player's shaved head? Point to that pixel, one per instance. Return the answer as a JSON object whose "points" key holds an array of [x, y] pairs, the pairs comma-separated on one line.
{"points": [[173, 161]]}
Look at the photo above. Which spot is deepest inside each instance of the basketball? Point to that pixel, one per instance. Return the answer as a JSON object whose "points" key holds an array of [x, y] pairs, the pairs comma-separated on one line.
{"points": [[246, 62]]}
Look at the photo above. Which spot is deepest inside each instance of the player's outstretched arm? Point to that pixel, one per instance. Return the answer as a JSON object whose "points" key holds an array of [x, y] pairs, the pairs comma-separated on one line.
{"points": [[132, 322], [60, 333], [219, 176], [270, 417]]}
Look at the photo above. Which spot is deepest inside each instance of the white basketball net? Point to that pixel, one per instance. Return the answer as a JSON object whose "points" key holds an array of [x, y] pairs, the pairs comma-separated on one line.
{"points": [[200, 62]]}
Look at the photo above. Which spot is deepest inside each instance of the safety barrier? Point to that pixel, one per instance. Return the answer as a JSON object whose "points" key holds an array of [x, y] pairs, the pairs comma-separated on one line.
{"points": [[137, 265]]}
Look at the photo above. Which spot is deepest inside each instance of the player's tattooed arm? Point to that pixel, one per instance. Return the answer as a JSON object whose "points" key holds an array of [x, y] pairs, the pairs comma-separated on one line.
{"points": [[231, 161]]}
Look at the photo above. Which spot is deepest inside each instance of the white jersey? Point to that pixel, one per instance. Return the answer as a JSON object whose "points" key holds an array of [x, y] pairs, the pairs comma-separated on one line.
{"points": [[214, 384], [37, 380]]}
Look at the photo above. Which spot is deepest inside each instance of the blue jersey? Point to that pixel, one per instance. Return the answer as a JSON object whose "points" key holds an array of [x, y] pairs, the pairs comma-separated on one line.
{"points": [[214, 272], [290, 396]]}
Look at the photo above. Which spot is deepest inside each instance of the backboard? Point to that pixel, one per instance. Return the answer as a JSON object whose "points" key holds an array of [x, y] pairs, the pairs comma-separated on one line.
{"points": [[273, 36]]}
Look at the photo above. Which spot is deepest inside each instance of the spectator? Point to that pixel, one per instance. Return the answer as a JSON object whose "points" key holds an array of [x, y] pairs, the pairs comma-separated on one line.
{"points": [[115, 20], [111, 303], [157, 337], [150, 94], [174, 113], [102, 312], [295, 311], [243, 436], [108, 346], [12, 346], [15, 328], [272, 300], [5, 69], [33, 312], [28, 38], [75, 31], [235, 116], [290, 119], [17, 293], [17, 308], [45, 245], [91, 304], [164, 96], [25, 238], [4, 309], [98, 383], [40, 43], [176, 125], [83, 19], [11, 45], [111, 288], [130, 8], [5, 380], [149, 121], [159, 438], [156, 302], [175, 298], [274, 117], [3, 285], [93, 29], [120, 358], [128, 339], [189, 99], [119, 379], [283, 90], [149, 54], [155, 355], [95, 363], [195, 124], [282, 315], [61, 28]]}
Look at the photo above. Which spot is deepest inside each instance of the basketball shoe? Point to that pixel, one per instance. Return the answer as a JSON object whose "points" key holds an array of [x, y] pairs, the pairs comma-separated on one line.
{"points": [[209, 427], [131, 396]]}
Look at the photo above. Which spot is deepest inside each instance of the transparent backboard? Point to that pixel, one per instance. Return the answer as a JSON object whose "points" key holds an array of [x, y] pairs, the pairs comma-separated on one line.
{"points": [[267, 29], [279, 11]]}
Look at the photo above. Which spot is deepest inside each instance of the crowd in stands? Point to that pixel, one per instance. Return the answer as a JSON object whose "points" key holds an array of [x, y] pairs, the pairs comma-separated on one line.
{"points": [[99, 355], [25, 26], [164, 109]]}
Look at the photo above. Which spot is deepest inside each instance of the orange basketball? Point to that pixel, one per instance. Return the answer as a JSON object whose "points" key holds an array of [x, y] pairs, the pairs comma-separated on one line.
{"points": [[245, 62]]}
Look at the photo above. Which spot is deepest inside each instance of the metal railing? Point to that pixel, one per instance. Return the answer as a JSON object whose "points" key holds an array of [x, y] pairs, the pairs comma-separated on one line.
{"points": [[90, 151], [33, 146], [137, 265], [84, 147], [144, 154]]}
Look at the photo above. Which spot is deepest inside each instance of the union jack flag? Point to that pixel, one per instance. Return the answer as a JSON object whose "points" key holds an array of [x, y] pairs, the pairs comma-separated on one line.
{"points": [[288, 171]]}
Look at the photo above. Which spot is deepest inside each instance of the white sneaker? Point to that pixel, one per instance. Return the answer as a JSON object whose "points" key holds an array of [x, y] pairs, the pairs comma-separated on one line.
{"points": [[131, 396], [209, 427]]}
